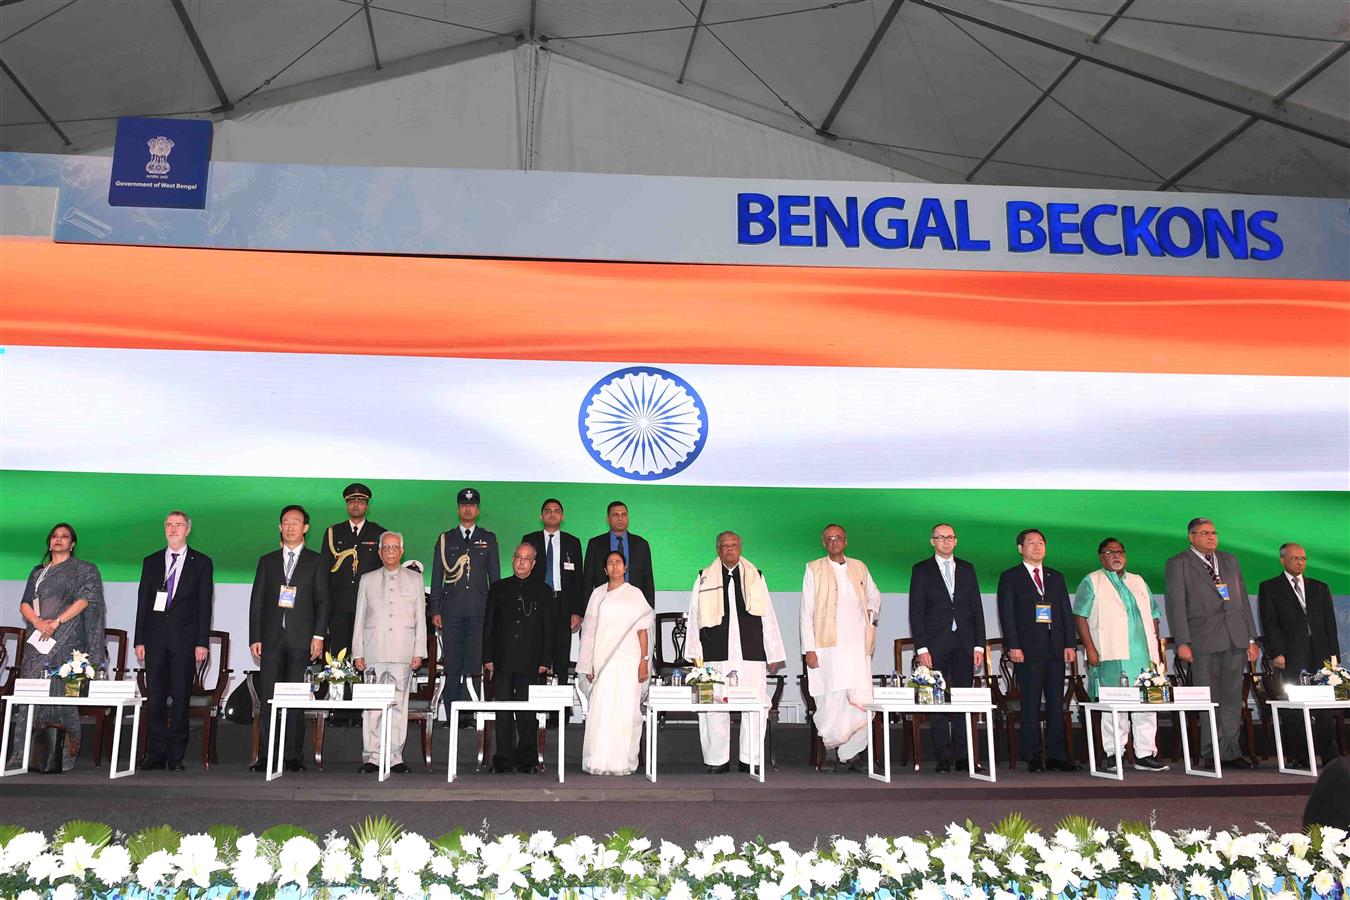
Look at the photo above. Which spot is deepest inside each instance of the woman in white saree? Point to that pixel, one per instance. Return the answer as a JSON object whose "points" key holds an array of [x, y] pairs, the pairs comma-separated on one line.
{"points": [[616, 639]]}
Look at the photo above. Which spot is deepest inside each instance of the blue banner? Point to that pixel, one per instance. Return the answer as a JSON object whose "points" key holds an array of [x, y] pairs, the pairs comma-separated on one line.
{"points": [[160, 162]]}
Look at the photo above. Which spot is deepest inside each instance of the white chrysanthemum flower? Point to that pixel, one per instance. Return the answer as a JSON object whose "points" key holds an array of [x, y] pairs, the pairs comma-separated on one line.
{"points": [[251, 871], [868, 880], [1125, 891], [1164, 892], [1101, 836], [670, 856], [45, 867], [247, 845], [1265, 876], [371, 868], [467, 874], [640, 845], [440, 891], [827, 873], [996, 842], [573, 859], [336, 867], [470, 843], [409, 884], [409, 854], [846, 849], [1300, 867], [699, 867], [1108, 859], [722, 892], [679, 890], [1200, 885], [1001, 894], [442, 866], [633, 869], [1017, 864], [542, 869], [65, 891], [1039, 891], [113, 864], [1323, 882], [1066, 839], [29, 895], [928, 891], [1239, 885], [877, 845], [767, 890], [542, 842], [155, 869], [989, 868]]}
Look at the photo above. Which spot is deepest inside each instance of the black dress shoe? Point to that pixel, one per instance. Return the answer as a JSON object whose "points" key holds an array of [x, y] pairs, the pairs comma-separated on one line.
{"points": [[154, 765], [963, 765], [1059, 765], [718, 770], [1240, 762], [859, 762], [257, 767], [177, 767], [294, 765], [502, 768], [400, 768], [1293, 762], [742, 767], [1034, 765], [368, 768], [943, 766], [528, 769]]}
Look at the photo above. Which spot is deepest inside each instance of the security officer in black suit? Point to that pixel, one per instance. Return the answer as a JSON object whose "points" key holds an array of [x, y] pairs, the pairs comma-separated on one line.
{"points": [[349, 549], [1039, 637], [464, 564], [517, 649], [173, 637], [558, 565], [287, 619]]}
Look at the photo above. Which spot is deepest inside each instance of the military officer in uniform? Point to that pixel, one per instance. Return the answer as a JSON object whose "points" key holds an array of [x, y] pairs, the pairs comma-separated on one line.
{"points": [[464, 564], [517, 649], [389, 639], [350, 549]]}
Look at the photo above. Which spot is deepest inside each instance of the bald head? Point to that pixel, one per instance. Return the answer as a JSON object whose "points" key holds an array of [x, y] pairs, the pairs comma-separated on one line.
{"points": [[1294, 558]]}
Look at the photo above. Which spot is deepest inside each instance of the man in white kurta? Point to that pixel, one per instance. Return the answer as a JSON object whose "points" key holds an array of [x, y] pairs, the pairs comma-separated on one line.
{"points": [[388, 640], [839, 611], [733, 628]]}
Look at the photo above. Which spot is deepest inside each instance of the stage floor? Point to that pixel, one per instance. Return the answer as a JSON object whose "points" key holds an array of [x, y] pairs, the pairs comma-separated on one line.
{"points": [[795, 803]]}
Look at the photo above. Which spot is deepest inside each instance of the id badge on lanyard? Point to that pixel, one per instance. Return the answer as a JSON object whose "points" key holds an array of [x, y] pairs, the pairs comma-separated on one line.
{"points": [[1043, 616], [286, 596], [1222, 588]]}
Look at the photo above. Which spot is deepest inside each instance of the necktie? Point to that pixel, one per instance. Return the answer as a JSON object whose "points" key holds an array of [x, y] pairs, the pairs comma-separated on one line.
{"points": [[947, 576], [290, 565], [1040, 585], [1298, 589], [548, 563], [173, 577], [618, 541], [1213, 570], [467, 532]]}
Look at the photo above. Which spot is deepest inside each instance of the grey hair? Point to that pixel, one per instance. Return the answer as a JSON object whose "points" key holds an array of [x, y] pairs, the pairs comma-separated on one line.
{"points": [[1284, 548], [179, 512], [1196, 523], [396, 534], [718, 541]]}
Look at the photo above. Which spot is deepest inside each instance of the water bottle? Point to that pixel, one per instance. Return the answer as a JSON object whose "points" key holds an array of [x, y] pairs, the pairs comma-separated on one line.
{"points": [[733, 680], [1124, 679], [1304, 676], [895, 678], [677, 678]]}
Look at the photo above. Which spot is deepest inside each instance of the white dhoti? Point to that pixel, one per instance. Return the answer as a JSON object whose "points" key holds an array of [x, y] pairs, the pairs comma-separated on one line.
{"points": [[1145, 725], [400, 675], [841, 682]]}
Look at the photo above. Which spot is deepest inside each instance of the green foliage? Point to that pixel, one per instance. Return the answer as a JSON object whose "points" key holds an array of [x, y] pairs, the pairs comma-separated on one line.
{"points": [[96, 833], [380, 829], [9, 832], [280, 834], [620, 839], [1080, 827], [149, 840], [225, 836], [1014, 828], [1139, 829], [449, 842]]}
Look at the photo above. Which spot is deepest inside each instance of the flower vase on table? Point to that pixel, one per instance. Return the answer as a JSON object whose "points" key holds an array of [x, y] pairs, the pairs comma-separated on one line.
{"points": [[75, 673], [928, 684], [1333, 675], [333, 676], [1154, 686], [704, 683]]}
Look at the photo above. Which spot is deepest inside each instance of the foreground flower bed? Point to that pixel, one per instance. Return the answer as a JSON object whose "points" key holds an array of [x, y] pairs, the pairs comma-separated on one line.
{"points": [[379, 859]]}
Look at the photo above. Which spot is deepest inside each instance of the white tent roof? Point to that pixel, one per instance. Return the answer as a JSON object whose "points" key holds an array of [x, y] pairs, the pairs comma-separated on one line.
{"points": [[1230, 95]]}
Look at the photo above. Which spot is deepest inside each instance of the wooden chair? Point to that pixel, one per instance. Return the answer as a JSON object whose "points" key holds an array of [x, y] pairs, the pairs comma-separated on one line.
{"points": [[1076, 693], [678, 627], [115, 647], [910, 745], [1254, 693], [424, 701], [11, 651], [1180, 672], [988, 677], [205, 700]]}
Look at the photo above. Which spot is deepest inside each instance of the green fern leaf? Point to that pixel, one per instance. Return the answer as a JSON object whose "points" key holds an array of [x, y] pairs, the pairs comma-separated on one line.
{"points": [[149, 840], [96, 833]]}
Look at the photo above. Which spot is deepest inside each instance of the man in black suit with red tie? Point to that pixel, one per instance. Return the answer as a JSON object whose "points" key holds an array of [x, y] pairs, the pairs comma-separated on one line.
{"points": [[637, 554], [559, 567], [1299, 625], [172, 638], [1039, 637], [287, 619], [946, 619]]}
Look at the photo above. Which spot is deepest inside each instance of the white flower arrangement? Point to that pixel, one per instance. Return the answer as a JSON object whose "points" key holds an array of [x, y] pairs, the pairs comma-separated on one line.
{"points": [[922, 676], [336, 669], [77, 668], [1332, 674], [380, 859], [703, 674], [1152, 678]]}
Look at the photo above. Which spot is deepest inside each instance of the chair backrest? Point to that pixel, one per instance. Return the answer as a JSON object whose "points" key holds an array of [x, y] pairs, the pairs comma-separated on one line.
{"points": [[427, 678], [10, 660], [115, 642], [218, 659], [678, 627], [904, 648], [1075, 685]]}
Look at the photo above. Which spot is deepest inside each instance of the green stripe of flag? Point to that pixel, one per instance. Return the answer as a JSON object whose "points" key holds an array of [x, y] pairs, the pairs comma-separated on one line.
{"points": [[118, 518]]}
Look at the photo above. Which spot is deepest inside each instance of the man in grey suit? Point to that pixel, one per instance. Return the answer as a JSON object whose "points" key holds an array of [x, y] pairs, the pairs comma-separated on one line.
{"points": [[1210, 616], [388, 640]]}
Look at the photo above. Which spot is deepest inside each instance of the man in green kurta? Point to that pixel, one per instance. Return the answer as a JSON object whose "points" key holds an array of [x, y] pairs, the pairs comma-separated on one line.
{"points": [[1117, 621]]}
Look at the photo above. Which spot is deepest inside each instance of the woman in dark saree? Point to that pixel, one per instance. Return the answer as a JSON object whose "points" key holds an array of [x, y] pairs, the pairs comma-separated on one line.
{"points": [[63, 600]]}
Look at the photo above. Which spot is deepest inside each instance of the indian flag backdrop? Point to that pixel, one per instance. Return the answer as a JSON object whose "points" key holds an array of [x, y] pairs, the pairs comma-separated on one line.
{"points": [[767, 400]]}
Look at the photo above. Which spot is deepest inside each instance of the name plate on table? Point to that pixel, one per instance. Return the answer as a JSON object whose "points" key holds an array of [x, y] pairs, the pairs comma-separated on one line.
{"points": [[111, 691], [971, 695], [32, 687], [381, 692], [666, 693], [292, 690], [1117, 695], [1191, 694], [1309, 693], [892, 694], [739, 694], [551, 693]]}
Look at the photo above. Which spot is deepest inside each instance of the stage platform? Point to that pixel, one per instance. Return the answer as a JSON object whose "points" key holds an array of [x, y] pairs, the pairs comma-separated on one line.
{"points": [[795, 803]]}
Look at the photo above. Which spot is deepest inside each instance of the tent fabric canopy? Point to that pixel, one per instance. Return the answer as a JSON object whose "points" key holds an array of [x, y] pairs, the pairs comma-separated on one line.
{"points": [[1207, 95]]}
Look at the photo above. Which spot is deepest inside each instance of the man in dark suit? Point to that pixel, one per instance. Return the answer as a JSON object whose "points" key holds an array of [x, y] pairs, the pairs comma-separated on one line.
{"points": [[517, 649], [946, 619], [349, 549], [1299, 625], [558, 565], [287, 619], [173, 637], [1210, 616], [636, 553], [1038, 635]]}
